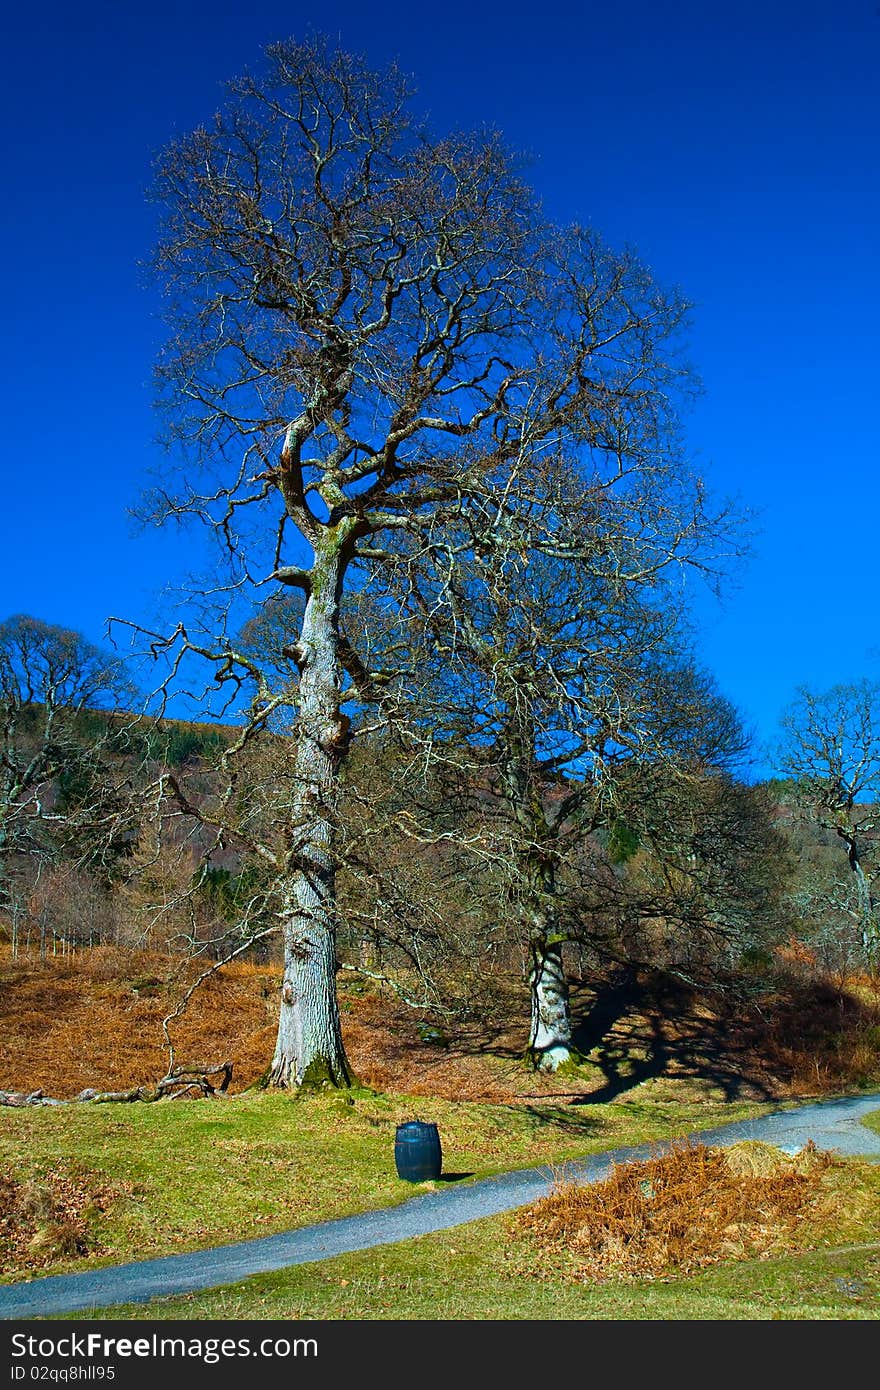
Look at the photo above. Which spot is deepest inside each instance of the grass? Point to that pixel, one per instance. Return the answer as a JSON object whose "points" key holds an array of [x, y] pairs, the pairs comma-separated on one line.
{"points": [[93, 1185], [192, 1174], [481, 1271], [872, 1120]]}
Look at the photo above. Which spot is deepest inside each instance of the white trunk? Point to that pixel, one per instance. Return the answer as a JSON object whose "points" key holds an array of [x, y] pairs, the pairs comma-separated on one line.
{"points": [[867, 915], [550, 1035], [309, 1048], [867, 908], [550, 1031]]}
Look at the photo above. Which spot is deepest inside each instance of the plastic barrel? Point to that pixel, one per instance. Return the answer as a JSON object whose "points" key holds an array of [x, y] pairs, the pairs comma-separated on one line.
{"points": [[417, 1153]]}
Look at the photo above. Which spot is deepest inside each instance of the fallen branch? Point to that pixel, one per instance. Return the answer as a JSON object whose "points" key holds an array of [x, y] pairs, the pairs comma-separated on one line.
{"points": [[201, 1077], [197, 982], [195, 1074], [20, 1098]]}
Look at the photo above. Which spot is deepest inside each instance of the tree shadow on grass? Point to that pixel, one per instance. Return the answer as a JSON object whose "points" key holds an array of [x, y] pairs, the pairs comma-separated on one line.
{"points": [[594, 1018], [641, 1029], [555, 1115]]}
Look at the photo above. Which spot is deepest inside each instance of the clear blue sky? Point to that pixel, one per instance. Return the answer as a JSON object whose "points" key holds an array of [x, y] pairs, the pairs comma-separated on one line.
{"points": [[736, 146]]}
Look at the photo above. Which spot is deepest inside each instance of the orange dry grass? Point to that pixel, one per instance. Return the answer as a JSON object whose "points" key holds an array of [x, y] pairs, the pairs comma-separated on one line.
{"points": [[825, 1038], [41, 1221], [692, 1207], [95, 1019], [382, 1040]]}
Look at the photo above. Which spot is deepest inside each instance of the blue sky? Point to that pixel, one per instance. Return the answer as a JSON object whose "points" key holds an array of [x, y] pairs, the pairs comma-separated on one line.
{"points": [[735, 146]]}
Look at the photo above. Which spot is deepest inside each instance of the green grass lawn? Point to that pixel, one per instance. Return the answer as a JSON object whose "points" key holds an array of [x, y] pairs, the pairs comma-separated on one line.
{"points": [[872, 1120], [203, 1173], [475, 1272], [192, 1174]]}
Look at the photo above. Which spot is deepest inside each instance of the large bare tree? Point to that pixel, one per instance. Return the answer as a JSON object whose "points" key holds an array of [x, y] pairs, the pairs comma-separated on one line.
{"points": [[546, 678], [369, 325], [831, 752]]}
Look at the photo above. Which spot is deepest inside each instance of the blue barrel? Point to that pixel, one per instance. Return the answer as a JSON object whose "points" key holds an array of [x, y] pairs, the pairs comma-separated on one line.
{"points": [[417, 1153]]}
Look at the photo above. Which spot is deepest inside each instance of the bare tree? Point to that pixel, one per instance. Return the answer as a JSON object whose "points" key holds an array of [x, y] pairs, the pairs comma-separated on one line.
{"points": [[709, 887], [369, 325], [56, 693], [831, 751], [542, 675]]}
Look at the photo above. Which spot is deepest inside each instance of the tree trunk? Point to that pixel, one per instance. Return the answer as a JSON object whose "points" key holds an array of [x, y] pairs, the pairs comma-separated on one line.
{"points": [[867, 915], [549, 1043], [867, 909], [6, 895], [550, 1033], [309, 1048]]}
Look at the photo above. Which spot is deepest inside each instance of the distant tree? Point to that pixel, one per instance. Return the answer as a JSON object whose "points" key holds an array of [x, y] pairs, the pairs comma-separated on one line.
{"points": [[56, 693], [830, 751], [708, 880], [368, 326]]}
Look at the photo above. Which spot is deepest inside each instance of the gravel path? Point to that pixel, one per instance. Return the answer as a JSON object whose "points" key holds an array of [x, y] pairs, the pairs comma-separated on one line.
{"points": [[831, 1124]]}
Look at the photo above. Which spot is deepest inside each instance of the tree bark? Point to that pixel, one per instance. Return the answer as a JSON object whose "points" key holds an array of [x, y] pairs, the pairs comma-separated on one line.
{"points": [[6, 803], [550, 1029], [867, 909], [309, 1048], [550, 1034]]}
